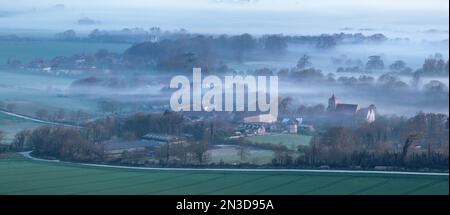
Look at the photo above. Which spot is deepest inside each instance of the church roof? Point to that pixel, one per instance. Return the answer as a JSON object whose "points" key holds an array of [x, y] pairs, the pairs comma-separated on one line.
{"points": [[346, 108]]}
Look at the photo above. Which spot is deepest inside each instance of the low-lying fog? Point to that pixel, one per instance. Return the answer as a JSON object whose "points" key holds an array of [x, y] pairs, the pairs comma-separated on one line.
{"points": [[414, 19], [424, 23]]}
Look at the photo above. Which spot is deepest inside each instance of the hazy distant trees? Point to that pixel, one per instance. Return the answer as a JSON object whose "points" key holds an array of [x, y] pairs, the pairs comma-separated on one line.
{"points": [[435, 65], [304, 62], [400, 66], [374, 63], [326, 42], [66, 35], [304, 110], [242, 44], [275, 44], [435, 87], [397, 65], [391, 81], [415, 80]]}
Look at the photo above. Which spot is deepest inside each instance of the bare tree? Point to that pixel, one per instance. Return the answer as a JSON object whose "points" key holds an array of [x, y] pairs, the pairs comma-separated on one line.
{"points": [[243, 152], [409, 141]]}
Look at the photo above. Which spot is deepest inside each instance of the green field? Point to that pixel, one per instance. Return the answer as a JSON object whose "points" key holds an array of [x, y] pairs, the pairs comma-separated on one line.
{"points": [[21, 176], [229, 154], [39, 91], [30, 50], [289, 140]]}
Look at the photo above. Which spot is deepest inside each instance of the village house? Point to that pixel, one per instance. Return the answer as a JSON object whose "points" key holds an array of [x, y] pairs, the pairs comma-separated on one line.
{"points": [[262, 118], [251, 129]]}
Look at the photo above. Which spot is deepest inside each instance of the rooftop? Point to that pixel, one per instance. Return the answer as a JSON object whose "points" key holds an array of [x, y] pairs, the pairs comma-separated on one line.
{"points": [[346, 108]]}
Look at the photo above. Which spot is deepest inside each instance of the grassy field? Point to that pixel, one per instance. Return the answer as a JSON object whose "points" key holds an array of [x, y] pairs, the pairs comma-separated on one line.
{"points": [[289, 140], [229, 154], [20, 176], [31, 92], [30, 50]]}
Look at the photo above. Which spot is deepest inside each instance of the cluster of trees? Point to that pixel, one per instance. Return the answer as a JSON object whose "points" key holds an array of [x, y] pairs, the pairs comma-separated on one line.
{"points": [[195, 50], [57, 142], [417, 142], [194, 151], [137, 35], [87, 144], [434, 66], [305, 72], [201, 50], [326, 41]]}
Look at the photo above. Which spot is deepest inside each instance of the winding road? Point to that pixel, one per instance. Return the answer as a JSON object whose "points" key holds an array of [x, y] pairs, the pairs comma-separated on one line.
{"points": [[38, 120], [28, 155]]}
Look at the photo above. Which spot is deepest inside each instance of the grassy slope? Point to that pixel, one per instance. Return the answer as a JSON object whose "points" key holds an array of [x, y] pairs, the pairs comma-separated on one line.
{"points": [[229, 154], [289, 140], [19, 176]]}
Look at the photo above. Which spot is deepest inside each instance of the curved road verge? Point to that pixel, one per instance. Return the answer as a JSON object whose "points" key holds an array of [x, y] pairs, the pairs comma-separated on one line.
{"points": [[28, 155], [37, 120]]}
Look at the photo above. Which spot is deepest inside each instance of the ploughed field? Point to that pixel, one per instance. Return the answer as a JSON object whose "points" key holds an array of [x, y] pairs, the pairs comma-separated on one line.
{"points": [[22, 176]]}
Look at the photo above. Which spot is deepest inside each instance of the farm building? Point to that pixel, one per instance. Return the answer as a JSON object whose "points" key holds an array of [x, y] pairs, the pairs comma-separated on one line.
{"points": [[148, 143], [164, 138], [114, 149]]}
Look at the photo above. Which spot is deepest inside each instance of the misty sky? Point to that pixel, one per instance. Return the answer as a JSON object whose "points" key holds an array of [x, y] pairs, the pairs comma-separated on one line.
{"points": [[399, 18]]}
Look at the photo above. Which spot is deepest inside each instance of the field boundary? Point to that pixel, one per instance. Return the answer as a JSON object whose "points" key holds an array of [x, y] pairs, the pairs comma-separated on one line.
{"points": [[37, 120], [28, 155]]}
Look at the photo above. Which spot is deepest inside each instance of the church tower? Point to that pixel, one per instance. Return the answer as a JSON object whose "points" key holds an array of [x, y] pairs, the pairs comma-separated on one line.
{"points": [[332, 102]]}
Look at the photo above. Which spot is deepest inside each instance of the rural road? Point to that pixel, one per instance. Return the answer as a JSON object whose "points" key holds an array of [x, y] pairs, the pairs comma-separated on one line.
{"points": [[27, 155], [37, 120]]}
